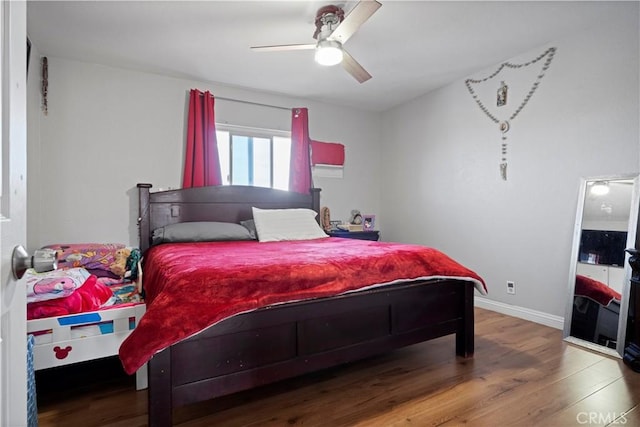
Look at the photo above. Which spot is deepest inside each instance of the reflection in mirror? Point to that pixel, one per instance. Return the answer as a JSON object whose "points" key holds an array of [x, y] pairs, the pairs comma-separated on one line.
{"points": [[599, 275]]}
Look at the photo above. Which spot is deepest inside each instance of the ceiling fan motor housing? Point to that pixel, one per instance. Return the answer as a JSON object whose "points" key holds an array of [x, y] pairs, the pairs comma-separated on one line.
{"points": [[329, 16]]}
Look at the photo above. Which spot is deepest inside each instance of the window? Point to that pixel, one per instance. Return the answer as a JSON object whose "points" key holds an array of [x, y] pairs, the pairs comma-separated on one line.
{"points": [[256, 157]]}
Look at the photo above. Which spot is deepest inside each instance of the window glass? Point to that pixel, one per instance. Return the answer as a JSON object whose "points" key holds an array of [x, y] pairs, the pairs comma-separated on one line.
{"points": [[281, 158], [256, 157], [240, 160], [261, 162]]}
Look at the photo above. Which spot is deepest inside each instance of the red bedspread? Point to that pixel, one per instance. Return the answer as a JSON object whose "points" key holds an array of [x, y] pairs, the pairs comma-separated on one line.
{"points": [[190, 286], [597, 291]]}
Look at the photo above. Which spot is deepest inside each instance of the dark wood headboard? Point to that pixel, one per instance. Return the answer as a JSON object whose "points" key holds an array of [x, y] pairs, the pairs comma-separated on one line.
{"points": [[225, 203]]}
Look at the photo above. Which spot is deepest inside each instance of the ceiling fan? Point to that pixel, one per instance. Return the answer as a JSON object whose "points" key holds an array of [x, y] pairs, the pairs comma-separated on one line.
{"points": [[333, 29]]}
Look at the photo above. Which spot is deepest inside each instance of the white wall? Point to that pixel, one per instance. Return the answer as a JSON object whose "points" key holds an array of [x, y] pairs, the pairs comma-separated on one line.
{"points": [[428, 169], [108, 129], [583, 121]]}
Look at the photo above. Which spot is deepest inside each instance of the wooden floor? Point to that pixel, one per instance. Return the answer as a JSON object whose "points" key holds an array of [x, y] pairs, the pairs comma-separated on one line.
{"points": [[522, 374]]}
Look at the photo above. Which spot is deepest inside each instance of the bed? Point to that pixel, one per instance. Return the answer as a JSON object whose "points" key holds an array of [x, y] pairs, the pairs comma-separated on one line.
{"points": [[264, 344], [82, 311]]}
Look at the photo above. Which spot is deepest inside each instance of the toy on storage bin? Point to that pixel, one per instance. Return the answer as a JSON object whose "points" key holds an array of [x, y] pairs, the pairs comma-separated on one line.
{"points": [[119, 265], [127, 265]]}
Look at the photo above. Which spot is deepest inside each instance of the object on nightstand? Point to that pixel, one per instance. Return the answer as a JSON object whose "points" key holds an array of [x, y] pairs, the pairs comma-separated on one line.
{"points": [[368, 222], [335, 224], [356, 217], [325, 218], [350, 227]]}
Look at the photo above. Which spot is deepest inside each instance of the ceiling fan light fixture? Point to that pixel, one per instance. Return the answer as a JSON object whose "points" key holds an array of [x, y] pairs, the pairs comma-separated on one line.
{"points": [[600, 188], [328, 52]]}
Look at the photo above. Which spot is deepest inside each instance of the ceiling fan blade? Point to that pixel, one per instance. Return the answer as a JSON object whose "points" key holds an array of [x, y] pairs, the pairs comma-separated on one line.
{"points": [[284, 47], [354, 68], [358, 16]]}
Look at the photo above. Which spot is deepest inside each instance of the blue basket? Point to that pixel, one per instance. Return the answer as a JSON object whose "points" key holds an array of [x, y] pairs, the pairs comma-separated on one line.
{"points": [[32, 404]]}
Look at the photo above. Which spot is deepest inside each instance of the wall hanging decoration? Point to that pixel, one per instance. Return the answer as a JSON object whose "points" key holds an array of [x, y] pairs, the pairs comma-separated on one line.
{"points": [[45, 84], [505, 124], [28, 54], [327, 159], [327, 153], [502, 95]]}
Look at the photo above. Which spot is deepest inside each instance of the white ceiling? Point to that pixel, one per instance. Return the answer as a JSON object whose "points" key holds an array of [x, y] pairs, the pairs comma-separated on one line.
{"points": [[409, 47], [613, 206]]}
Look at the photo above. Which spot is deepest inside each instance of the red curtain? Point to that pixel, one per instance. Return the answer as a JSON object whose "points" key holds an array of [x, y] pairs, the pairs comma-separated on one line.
{"points": [[300, 166], [202, 164]]}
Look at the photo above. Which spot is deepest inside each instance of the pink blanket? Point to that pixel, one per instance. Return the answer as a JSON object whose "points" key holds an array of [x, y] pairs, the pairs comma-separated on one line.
{"points": [[88, 297], [191, 286]]}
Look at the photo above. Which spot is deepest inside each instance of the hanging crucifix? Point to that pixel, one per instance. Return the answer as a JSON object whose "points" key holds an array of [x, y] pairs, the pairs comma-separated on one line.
{"points": [[501, 99]]}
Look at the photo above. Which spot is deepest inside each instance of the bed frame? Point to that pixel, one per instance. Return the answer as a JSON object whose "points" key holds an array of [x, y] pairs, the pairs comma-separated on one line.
{"points": [[57, 344], [283, 341]]}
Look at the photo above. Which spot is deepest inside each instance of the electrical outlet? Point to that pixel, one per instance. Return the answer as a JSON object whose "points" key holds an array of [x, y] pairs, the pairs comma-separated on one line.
{"points": [[511, 287]]}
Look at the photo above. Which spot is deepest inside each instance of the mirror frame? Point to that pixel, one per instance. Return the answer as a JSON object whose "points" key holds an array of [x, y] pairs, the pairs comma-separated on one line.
{"points": [[631, 243]]}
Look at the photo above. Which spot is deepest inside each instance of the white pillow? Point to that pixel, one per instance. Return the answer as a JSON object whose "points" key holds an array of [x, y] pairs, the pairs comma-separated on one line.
{"points": [[286, 224]]}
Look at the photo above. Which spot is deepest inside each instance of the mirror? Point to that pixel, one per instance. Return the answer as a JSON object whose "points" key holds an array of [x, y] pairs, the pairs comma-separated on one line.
{"points": [[599, 273]]}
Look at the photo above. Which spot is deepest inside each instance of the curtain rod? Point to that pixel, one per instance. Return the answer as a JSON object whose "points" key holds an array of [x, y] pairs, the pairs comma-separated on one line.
{"points": [[252, 103]]}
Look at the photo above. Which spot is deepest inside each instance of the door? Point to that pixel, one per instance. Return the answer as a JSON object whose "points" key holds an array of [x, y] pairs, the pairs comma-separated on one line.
{"points": [[13, 165]]}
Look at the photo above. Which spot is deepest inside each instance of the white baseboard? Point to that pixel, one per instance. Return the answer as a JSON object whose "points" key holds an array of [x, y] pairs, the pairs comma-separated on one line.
{"points": [[546, 319]]}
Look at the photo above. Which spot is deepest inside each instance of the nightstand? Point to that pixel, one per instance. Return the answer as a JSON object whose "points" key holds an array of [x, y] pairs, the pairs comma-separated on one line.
{"points": [[361, 235]]}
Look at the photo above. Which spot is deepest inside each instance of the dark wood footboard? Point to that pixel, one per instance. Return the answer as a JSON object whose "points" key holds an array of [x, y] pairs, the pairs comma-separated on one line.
{"points": [[284, 341]]}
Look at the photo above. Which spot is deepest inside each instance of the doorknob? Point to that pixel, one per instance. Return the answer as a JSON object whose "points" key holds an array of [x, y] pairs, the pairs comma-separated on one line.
{"points": [[42, 260]]}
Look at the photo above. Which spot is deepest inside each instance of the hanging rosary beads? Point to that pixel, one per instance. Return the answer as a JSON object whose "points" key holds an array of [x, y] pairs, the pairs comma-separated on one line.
{"points": [[504, 125]]}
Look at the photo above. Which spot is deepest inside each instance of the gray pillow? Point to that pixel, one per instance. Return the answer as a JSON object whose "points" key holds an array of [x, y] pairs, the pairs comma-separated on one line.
{"points": [[200, 232], [251, 226]]}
